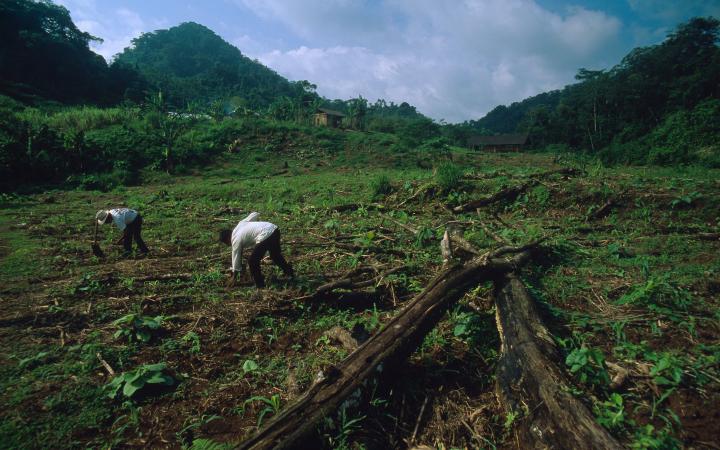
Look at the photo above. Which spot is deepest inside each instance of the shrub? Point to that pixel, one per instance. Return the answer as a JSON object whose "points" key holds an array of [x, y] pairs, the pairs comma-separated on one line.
{"points": [[449, 177], [380, 186]]}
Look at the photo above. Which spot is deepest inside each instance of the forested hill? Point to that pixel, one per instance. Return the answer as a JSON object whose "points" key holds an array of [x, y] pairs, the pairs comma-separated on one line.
{"points": [[190, 63], [44, 56], [660, 104], [507, 119]]}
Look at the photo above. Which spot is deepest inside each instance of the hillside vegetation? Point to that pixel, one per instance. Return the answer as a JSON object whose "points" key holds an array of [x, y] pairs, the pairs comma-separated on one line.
{"points": [[660, 105]]}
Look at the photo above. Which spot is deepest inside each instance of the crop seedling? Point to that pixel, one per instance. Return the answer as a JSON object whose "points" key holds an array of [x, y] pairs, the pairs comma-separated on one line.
{"points": [[193, 340], [130, 383], [136, 327], [347, 427], [611, 413], [685, 201], [272, 405], [250, 366], [588, 364]]}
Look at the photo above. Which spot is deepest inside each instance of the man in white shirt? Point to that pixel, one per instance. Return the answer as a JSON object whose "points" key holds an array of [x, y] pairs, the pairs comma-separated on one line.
{"points": [[128, 221], [261, 237]]}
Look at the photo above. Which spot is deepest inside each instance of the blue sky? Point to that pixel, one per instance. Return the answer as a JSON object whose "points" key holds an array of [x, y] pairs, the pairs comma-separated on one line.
{"points": [[453, 59]]}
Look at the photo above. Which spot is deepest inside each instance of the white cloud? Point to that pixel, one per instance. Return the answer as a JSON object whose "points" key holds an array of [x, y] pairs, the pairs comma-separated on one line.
{"points": [[453, 62], [117, 27]]}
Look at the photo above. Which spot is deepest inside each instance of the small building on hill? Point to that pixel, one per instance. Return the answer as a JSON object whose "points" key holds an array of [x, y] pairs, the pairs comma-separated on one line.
{"points": [[328, 118], [499, 143]]}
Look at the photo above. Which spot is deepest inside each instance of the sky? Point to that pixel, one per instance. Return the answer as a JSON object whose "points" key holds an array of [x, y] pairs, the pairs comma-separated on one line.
{"points": [[454, 60]]}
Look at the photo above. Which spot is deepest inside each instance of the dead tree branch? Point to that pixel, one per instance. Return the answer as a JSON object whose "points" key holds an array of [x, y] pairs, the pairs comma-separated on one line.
{"points": [[509, 194], [530, 383], [397, 339]]}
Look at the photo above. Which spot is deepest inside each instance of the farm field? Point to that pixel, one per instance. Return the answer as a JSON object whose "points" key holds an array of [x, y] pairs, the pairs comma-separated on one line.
{"points": [[157, 352]]}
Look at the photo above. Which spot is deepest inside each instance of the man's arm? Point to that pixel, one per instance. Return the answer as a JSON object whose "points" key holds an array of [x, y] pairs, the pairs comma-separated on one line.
{"points": [[237, 265]]}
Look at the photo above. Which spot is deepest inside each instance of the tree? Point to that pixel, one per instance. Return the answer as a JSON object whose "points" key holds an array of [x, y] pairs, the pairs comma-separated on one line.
{"points": [[43, 53], [168, 125]]}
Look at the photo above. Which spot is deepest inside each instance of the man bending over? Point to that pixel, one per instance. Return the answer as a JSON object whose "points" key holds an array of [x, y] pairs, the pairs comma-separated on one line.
{"points": [[126, 220], [261, 237]]}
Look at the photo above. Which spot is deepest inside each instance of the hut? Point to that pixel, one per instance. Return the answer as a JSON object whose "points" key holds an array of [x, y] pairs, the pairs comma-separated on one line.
{"points": [[328, 118], [499, 143]]}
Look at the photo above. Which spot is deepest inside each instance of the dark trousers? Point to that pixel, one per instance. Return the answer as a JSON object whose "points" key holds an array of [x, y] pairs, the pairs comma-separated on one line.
{"points": [[272, 245], [132, 231]]}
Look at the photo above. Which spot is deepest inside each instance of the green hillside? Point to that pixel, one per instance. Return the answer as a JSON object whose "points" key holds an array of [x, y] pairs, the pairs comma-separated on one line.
{"points": [[659, 105], [190, 63]]}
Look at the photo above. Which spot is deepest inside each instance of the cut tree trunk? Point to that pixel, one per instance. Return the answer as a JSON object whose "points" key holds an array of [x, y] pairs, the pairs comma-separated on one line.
{"points": [[508, 194], [531, 384], [298, 422]]}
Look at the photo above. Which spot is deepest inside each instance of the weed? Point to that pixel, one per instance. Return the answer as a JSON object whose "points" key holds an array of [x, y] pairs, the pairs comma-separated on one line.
{"points": [[250, 366], [449, 177], [510, 419], [136, 327], [132, 382], [648, 438], [272, 405], [588, 364], [193, 341], [424, 237], [380, 186], [611, 413], [194, 424], [685, 200]]}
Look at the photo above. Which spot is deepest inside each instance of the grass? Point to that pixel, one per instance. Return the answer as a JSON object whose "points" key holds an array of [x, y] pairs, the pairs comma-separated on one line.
{"points": [[634, 288]]}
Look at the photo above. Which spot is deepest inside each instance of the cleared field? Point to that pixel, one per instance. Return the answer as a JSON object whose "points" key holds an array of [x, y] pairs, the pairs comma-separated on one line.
{"points": [[628, 281]]}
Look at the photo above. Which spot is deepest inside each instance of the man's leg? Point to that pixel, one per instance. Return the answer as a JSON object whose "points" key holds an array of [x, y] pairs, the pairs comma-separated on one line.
{"points": [[254, 263], [127, 240], [136, 234], [276, 253]]}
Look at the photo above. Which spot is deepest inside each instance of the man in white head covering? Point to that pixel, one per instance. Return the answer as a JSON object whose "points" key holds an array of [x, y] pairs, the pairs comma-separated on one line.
{"points": [[126, 220], [260, 237]]}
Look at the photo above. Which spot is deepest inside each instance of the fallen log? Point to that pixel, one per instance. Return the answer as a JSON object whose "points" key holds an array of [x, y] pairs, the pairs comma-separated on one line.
{"points": [[349, 281], [530, 383], [297, 423], [509, 194], [602, 211], [163, 277], [566, 171], [356, 206]]}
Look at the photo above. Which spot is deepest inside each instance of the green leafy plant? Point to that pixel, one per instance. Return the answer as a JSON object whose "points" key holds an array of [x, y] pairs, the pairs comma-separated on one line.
{"points": [[250, 366], [667, 370], [449, 177], [660, 296], [193, 340], [424, 236], [136, 327], [348, 425], [588, 364], [685, 200], [611, 413], [272, 405], [130, 383], [380, 186], [207, 444]]}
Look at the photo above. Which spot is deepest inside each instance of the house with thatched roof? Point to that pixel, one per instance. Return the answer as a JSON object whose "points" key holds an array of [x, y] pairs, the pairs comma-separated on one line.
{"points": [[328, 118], [499, 143]]}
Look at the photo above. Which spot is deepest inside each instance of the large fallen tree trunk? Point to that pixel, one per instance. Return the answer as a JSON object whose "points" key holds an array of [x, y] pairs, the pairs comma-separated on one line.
{"points": [[397, 340], [530, 383]]}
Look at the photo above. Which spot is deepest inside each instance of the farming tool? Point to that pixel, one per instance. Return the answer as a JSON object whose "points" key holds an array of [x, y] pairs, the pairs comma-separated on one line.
{"points": [[97, 251]]}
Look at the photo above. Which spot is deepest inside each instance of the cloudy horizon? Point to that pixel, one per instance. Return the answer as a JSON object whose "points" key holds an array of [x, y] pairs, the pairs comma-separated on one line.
{"points": [[454, 61]]}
